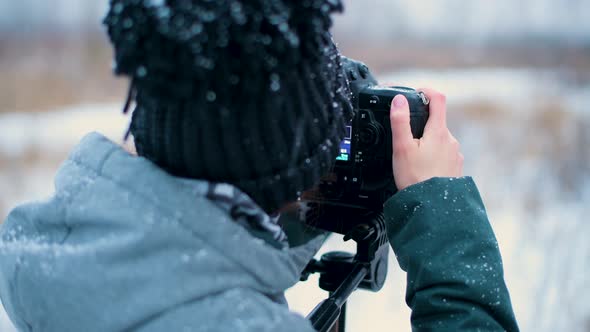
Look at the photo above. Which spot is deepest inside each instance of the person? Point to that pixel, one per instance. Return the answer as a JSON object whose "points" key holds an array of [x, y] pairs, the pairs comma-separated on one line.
{"points": [[239, 107]]}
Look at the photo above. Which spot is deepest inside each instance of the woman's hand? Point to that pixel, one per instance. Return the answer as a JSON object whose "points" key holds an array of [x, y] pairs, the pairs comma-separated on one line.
{"points": [[436, 154]]}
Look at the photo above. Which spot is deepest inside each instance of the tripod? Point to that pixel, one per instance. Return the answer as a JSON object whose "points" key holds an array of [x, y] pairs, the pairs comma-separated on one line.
{"points": [[342, 273]]}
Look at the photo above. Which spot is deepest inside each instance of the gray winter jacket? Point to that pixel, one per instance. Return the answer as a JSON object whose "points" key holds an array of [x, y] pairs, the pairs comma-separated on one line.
{"points": [[124, 246]]}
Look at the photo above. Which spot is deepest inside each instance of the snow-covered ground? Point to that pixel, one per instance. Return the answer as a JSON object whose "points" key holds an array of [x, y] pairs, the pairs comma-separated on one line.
{"points": [[524, 139]]}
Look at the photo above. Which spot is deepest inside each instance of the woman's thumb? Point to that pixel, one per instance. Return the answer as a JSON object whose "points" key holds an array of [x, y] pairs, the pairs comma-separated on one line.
{"points": [[399, 116]]}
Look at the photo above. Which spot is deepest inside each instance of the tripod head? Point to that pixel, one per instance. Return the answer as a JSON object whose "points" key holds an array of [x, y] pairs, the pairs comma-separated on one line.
{"points": [[367, 229], [342, 273]]}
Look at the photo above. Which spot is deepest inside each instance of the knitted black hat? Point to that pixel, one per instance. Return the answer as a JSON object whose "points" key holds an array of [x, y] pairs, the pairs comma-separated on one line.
{"points": [[247, 92]]}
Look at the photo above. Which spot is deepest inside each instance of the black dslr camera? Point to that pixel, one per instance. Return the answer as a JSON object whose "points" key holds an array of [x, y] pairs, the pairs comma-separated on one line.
{"points": [[349, 200], [362, 177]]}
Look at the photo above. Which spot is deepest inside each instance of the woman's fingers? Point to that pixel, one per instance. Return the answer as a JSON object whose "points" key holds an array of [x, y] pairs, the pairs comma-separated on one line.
{"points": [[438, 153], [437, 119]]}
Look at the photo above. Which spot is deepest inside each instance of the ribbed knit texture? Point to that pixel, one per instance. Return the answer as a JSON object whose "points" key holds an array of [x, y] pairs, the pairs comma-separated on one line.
{"points": [[249, 93]]}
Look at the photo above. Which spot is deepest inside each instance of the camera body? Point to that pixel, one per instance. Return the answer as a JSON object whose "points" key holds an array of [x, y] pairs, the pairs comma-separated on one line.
{"points": [[362, 177], [349, 200]]}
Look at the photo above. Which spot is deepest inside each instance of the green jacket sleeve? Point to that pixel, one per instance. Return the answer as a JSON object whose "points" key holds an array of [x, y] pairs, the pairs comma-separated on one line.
{"points": [[442, 238]]}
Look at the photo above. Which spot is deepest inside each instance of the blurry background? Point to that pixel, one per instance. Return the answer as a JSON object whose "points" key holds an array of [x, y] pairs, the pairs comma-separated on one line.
{"points": [[517, 77]]}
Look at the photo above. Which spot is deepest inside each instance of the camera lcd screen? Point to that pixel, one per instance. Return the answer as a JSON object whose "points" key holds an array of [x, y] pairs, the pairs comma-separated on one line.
{"points": [[345, 145]]}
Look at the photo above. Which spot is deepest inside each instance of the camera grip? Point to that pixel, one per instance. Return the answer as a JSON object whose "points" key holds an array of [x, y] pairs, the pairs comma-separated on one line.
{"points": [[418, 104], [418, 120]]}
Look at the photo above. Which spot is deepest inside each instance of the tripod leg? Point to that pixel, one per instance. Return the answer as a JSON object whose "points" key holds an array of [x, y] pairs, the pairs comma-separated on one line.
{"points": [[340, 324], [342, 319]]}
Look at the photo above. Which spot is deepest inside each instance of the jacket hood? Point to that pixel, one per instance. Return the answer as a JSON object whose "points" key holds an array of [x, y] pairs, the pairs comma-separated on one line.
{"points": [[122, 240]]}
